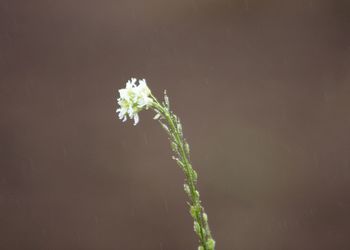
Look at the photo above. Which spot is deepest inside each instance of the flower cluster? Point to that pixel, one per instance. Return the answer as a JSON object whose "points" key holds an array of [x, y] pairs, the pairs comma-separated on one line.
{"points": [[133, 98]]}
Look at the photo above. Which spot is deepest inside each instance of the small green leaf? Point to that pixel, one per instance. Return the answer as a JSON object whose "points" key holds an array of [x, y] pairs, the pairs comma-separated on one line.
{"points": [[211, 244], [174, 146], [194, 211], [179, 127], [194, 175], [187, 148], [205, 217], [197, 194], [197, 228], [180, 163], [166, 100], [187, 190]]}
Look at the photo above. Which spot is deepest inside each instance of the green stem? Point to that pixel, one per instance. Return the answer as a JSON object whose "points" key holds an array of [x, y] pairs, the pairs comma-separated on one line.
{"points": [[180, 147]]}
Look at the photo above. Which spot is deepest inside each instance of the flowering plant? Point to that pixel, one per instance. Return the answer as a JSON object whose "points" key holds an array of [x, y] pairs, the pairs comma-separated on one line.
{"points": [[133, 99]]}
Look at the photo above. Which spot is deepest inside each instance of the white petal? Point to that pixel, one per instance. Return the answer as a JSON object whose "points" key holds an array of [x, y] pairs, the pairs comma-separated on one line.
{"points": [[143, 88], [122, 113], [131, 112], [122, 92], [136, 119], [141, 102], [131, 83]]}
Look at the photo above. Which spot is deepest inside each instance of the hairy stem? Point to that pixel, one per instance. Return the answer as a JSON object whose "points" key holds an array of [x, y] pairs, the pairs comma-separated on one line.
{"points": [[171, 123]]}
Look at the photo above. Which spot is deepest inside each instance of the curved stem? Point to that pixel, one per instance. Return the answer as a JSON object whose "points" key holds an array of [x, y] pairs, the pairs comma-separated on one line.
{"points": [[181, 148]]}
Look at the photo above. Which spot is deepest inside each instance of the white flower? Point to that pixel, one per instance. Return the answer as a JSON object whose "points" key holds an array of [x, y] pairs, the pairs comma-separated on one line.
{"points": [[133, 98]]}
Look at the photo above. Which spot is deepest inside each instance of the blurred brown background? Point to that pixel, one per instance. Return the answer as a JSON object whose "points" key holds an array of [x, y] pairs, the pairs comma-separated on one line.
{"points": [[263, 90]]}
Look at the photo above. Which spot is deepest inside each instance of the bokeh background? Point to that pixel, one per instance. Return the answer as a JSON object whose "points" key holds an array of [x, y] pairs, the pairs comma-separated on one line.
{"points": [[263, 91]]}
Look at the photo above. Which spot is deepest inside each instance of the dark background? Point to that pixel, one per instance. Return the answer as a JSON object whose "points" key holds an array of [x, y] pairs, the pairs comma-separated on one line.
{"points": [[263, 90]]}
